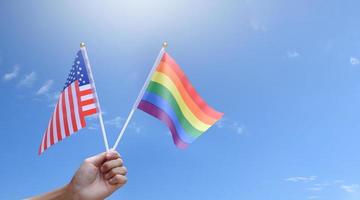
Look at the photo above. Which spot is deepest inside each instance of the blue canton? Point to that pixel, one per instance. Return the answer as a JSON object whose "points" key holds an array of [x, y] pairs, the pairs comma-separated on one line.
{"points": [[78, 72]]}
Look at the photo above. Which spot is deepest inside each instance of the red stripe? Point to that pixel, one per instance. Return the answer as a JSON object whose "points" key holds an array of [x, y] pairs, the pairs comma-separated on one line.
{"points": [[90, 112], [51, 131], [39, 152], [66, 125], [86, 92], [77, 90], [72, 110], [58, 130], [190, 89], [45, 141], [87, 102]]}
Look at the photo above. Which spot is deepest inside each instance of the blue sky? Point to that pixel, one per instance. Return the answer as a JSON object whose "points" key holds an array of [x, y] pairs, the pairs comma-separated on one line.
{"points": [[285, 73]]}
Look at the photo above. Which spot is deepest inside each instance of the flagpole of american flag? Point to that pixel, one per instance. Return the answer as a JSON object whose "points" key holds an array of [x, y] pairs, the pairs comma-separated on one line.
{"points": [[142, 91], [88, 67]]}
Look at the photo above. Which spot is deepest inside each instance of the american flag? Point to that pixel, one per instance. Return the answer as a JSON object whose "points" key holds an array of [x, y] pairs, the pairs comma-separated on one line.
{"points": [[76, 101]]}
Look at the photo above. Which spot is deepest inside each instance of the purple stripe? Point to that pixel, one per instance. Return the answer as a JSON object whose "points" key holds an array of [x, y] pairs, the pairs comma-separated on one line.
{"points": [[161, 115], [164, 106]]}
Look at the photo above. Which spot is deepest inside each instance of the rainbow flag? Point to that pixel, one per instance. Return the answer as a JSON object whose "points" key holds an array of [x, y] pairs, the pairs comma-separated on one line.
{"points": [[171, 98]]}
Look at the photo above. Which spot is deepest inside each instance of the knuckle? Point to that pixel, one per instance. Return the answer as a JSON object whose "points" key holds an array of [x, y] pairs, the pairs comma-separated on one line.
{"points": [[109, 174], [117, 154], [112, 172], [105, 167], [87, 161], [113, 155]]}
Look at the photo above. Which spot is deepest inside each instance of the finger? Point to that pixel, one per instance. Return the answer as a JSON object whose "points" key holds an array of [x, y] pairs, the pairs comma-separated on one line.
{"points": [[112, 155], [108, 165], [118, 180], [115, 171], [97, 160]]}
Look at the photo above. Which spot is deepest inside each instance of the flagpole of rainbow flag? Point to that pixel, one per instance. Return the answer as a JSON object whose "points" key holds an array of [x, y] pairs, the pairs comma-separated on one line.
{"points": [[88, 66], [142, 91]]}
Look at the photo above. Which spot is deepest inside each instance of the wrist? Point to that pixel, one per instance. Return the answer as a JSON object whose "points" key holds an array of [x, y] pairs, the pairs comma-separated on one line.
{"points": [[69, 192], [64, 193]]}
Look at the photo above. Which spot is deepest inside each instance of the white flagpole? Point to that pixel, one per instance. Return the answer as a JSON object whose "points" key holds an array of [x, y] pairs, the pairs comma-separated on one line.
{"points": [[88, 66], [142, 91]]}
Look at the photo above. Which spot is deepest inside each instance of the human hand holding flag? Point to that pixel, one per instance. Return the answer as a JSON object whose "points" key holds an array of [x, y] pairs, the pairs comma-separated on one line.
{"points": [[97, 178]]}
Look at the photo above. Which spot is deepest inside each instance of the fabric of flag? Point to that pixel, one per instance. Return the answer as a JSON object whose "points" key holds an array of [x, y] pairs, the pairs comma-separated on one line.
{"points": [[171, 98], [76, 101]]}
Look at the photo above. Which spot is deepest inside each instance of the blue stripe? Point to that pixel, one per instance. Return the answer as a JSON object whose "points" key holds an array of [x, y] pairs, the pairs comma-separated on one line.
{"points": [[165, 106]]}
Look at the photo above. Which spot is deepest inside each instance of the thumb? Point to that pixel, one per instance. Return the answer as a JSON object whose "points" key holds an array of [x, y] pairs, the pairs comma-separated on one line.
{"points": [[97, 160]]}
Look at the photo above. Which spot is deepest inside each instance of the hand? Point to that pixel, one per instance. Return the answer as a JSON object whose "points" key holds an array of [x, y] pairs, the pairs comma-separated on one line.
{"points": [[98, 177]]}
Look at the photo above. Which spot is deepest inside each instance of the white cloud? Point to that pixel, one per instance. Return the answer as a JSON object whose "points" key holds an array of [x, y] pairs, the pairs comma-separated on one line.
{"points": [[339, 181], [28, 80], [350, 188], [354, 61], [312, 197], [93, 126], [293, 54], [315, 189], [301, 179], [12, 75], [234, 126], [119, 121], [257, 26], [322, 184], [94, 116], [318, 188], [44, 89]]}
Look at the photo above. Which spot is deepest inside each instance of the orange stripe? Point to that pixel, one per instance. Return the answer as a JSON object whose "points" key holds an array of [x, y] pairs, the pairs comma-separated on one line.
{"points": [[72, 109], [189, 88], [90, 112], [66, 125], [198, 112]]}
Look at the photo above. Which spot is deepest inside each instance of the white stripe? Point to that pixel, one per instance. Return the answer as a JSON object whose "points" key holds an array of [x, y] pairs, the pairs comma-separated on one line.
{"points": [[48, 135], [54, 126], [88, 107], [87, 97], [85, 87], [62, 125], [67, 106], [76, 107]]}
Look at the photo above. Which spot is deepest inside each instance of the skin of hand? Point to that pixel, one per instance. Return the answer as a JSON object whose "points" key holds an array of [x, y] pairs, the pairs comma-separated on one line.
{"points": [[97, 178]]}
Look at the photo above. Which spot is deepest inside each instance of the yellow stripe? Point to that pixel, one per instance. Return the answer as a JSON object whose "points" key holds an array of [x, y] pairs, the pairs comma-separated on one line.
{"points": [[164, 80]]}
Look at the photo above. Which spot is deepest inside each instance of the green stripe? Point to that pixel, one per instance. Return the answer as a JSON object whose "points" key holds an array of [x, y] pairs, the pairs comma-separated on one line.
{"points": [[163, 92]]}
